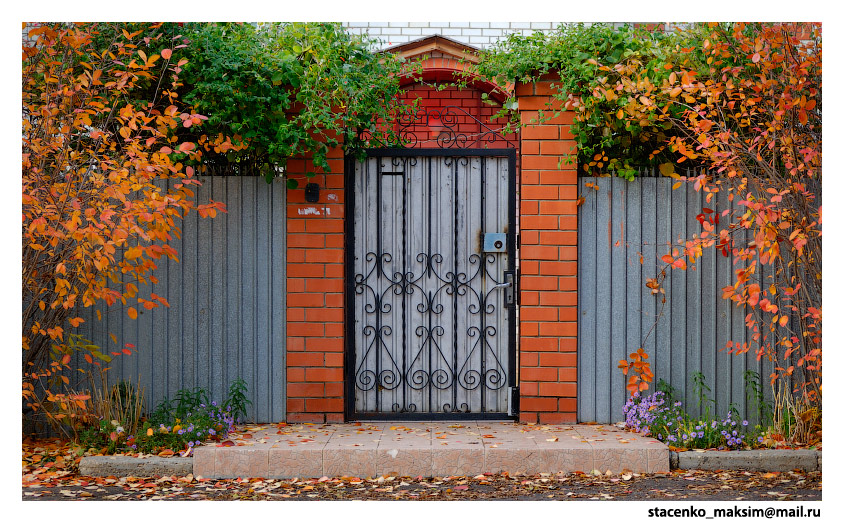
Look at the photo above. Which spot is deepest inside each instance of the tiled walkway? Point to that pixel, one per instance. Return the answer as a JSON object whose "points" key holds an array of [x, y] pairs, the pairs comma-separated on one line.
{"points": [[370, 449]]}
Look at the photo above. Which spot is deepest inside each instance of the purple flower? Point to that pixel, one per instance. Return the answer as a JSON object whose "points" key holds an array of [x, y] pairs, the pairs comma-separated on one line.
{"points": [[744, 422]]}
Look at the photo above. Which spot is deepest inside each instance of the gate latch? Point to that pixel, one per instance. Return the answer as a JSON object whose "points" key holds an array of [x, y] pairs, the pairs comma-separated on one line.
{"points": [[494, 243]]}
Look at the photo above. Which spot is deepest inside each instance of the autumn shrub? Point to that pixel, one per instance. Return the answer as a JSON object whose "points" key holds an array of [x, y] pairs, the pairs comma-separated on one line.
{"points": [[283, 89], [96, 213], [740, 104], [123, 402], [606, 142], [796, 420]]}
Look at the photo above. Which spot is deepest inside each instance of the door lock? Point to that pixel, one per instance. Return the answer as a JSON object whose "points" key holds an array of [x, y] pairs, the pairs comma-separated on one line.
{"points": [[494, 243], [508, 285]]}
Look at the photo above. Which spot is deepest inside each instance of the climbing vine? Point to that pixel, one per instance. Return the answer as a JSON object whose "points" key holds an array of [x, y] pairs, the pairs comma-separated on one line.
{"points": [[282, 90], [606, 141]]}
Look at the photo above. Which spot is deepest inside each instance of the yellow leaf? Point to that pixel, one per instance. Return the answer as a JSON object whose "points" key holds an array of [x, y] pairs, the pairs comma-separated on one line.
{"points": [[620, 114], [667, 169], [132, 312], [676, 185]]}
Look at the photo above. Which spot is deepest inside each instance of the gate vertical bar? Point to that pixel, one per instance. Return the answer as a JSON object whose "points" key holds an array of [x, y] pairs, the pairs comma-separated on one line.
{"points": [[484, 292], [455, 285]]}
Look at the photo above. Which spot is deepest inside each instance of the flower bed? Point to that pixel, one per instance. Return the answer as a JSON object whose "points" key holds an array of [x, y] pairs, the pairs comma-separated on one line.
{"points": [[180, 435], [666, 421], [174, 427]]}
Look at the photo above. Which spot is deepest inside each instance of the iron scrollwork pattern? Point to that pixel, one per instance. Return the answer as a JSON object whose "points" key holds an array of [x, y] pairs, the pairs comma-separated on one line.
{"points": [[448, 127], [419, 296]]}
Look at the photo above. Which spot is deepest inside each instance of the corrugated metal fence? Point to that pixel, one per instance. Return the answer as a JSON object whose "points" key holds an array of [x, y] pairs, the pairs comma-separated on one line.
{"points": [[621, 224], [226, 318]]}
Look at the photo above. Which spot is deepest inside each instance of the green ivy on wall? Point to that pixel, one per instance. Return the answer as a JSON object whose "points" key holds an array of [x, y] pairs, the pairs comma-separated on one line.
{"points": [[607, 141]]}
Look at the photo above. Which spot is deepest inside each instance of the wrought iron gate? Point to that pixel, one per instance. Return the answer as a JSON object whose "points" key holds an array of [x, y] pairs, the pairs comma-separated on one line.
{"points": [[431, 291]]}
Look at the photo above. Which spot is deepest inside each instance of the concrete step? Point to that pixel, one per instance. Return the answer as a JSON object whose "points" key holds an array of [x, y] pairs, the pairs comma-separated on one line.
{"points": [[371, 449]]}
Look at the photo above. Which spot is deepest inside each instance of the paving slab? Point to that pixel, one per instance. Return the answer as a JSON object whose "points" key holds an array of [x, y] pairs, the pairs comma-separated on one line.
{"points": [[438, 449], [428, 449]]}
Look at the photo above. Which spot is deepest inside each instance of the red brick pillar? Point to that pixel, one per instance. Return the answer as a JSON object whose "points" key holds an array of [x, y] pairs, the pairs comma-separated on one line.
{"points": [[548, 260], [315, 313]]}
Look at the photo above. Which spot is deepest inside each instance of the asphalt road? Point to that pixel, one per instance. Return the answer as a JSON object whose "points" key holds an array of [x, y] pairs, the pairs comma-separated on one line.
{"points": [[678, 485]]}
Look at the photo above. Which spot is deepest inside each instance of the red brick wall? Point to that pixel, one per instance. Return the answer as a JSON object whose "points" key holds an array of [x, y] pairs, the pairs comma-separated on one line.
{"points": [[469, 99], [549, 263], [315, 313]]}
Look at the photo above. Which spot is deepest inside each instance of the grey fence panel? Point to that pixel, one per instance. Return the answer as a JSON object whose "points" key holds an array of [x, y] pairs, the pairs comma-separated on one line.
{"points": [[662, 355], [624, 229], [587, 387], [226, 318], [618, 283], [635, 292], [603, 265]]}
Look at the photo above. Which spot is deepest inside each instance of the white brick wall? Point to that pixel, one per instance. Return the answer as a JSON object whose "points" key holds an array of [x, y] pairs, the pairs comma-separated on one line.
{"points": [[478, 34]]}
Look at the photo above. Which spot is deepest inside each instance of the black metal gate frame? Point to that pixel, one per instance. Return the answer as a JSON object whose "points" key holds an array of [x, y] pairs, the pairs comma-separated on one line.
{"points": [[349, 353]]}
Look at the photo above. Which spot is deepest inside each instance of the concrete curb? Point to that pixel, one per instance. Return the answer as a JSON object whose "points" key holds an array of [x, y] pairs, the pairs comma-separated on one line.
{"points": [[750, 460], [753, 460], [121, 466]]}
